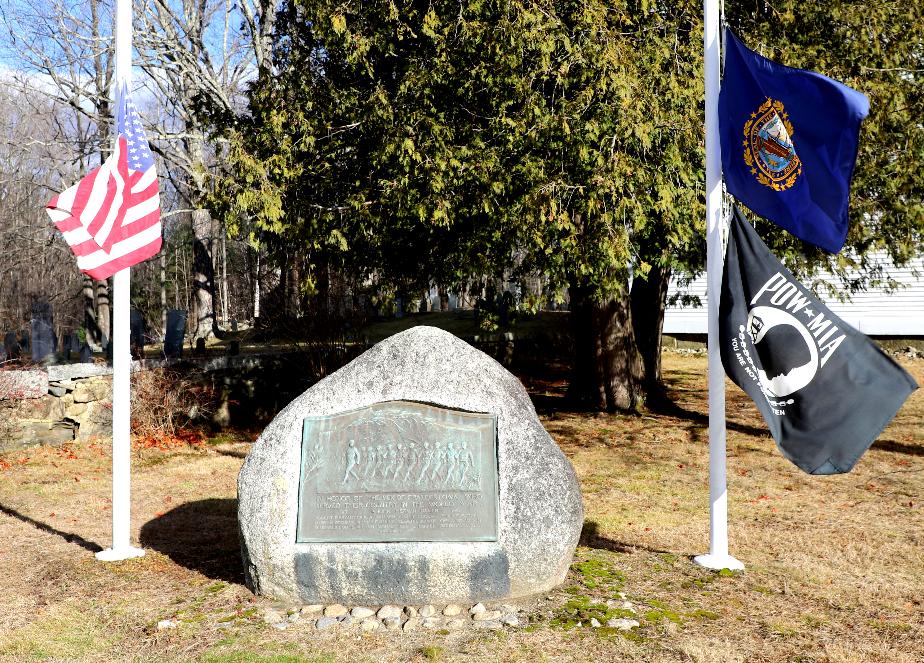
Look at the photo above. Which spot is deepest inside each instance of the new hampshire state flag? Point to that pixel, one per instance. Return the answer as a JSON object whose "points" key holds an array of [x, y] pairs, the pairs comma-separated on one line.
{"points": [[789, 143], [825, 390]]}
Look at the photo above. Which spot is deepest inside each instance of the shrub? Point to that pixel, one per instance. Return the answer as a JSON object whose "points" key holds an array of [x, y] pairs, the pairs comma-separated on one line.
{"points": [[167, 404]]}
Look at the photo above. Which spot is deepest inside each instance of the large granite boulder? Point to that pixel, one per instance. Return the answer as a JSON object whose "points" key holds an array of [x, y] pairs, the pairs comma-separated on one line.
{"points": [[538, 516]]}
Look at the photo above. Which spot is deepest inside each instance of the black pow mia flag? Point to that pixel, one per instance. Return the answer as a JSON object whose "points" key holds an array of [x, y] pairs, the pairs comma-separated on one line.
{"points": [[825, 390]]}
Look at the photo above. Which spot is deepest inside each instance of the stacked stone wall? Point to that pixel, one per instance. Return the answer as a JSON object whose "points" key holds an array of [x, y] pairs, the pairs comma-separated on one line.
{"points": [[54, 405]]}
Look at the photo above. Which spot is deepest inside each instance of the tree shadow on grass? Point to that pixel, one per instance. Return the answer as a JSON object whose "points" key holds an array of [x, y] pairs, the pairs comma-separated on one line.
{"points": [[670, 408], [591, 538], [201, 536], [899, 447], [45, 527]]}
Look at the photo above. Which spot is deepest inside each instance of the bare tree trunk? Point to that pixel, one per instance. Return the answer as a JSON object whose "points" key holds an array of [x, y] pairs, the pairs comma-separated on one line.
{"points": [[103, 313], [224, 280], [185, 273], [607, 373], [89, 314], [256, 291], [203, 275], [163, 294], [292, 290]]}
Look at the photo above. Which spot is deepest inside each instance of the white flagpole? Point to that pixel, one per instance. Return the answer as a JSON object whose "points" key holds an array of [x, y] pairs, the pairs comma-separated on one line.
{"points": [[718, 557], [121, 351]]}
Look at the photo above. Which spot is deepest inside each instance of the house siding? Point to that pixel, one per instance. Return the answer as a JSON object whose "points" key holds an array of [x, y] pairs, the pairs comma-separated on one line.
{"points": [[874, 312]]}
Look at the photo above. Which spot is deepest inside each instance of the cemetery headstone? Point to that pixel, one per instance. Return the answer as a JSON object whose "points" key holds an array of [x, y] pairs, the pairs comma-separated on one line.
{"points": [[176, 331], [42, 311], [136, 333], [11, 344], [86, 353], [43, 340], [419, 473], [66, 346], [234, 324]]}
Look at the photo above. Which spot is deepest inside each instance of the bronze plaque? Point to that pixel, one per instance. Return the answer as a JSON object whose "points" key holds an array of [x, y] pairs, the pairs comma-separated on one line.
{"points": [[398, 471]]}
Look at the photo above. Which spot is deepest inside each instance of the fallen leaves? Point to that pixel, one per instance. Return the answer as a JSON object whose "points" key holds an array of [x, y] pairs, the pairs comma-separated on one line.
{"points": [[185, 438]]}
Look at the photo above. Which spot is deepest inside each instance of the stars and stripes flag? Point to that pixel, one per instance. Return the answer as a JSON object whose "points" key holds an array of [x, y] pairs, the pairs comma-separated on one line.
{"points": [[111, 217]]}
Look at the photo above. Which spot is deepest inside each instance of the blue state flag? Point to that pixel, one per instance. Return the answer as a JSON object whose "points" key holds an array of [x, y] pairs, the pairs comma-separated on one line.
{"points": [[789, 143]]}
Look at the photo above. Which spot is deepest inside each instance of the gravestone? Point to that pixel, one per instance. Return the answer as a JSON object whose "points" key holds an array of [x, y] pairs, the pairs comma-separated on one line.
{"points": [[75, 342], [234, 324], [42, 311], [136, 333], [86, 353], [11, 344], [43, 340], [176, 331], [419, 473]]}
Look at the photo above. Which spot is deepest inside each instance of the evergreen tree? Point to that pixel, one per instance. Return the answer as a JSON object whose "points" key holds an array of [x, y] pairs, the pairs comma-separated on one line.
{"points": [[443, 140]]}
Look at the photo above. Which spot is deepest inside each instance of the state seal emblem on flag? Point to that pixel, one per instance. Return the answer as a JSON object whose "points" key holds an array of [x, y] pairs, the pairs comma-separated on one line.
{"points": [[768, 147]]}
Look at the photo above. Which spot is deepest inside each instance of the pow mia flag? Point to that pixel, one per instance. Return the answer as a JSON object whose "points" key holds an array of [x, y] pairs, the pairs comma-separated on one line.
{"points": [[825, 390]]}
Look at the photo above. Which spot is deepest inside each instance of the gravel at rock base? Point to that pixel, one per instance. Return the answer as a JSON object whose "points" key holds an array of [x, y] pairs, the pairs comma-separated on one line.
{"points": [[361, 612], [451, 617], [622, 624], [389, 611], [325, 622]]}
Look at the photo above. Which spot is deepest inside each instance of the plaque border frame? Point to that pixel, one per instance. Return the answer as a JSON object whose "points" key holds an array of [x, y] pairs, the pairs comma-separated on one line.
{"points": [[301, 478]]}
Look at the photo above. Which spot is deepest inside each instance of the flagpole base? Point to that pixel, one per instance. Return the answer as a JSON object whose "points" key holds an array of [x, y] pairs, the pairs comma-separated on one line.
{"points": [[718, 562], [118, 554]]}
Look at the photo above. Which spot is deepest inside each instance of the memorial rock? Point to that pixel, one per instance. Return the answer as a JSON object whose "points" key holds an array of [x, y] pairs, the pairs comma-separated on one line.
{"points": [[419, 473]]}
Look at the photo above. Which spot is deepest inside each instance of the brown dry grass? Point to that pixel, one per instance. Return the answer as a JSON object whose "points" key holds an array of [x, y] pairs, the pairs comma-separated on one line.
{"points": [[835, 565]]}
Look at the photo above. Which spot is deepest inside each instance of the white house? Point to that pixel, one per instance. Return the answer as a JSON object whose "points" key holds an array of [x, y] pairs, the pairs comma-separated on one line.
{"points": [[874, 312]]}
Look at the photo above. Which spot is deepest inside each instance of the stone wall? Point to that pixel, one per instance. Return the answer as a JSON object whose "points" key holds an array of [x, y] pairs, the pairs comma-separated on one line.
{"points": [[74, 401], [54, 405]]}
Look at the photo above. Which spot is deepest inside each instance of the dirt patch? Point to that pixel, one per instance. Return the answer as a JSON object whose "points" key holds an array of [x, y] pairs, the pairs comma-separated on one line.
{"points": [[834, 565]]}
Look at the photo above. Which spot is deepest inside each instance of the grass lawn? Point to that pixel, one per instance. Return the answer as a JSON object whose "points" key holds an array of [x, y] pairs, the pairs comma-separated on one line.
{"points": [[834, 565]]}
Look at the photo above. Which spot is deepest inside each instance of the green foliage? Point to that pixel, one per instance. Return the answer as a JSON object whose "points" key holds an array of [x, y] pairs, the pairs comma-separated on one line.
{"points": [[410, 143], [877, 49], [432, 652], [596, 573], [429, 142]]}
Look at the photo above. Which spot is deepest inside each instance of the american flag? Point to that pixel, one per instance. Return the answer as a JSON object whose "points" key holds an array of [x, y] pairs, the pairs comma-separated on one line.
{"points": [[111, 218]]}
